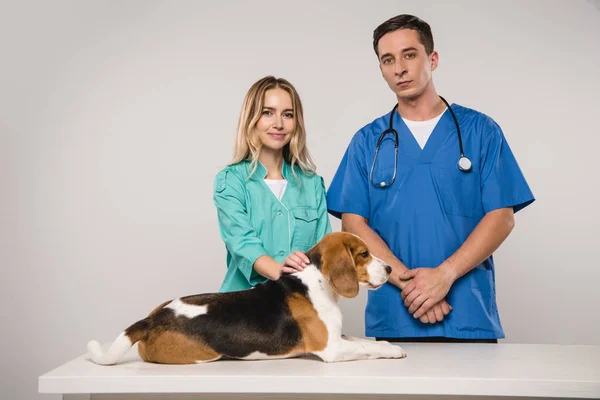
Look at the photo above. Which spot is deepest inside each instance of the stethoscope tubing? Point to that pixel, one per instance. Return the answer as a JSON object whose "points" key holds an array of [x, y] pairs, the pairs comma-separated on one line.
{"points": [[464, 164]]}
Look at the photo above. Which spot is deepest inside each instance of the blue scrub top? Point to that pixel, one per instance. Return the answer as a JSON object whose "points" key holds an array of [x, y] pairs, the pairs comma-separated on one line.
{"points": [[428, 213]]}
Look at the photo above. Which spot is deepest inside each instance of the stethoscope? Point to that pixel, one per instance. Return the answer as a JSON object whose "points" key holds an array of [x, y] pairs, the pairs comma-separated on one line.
{"points": [[464, 164]]}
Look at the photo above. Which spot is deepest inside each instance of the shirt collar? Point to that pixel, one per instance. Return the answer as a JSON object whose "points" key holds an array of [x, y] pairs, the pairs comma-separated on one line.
{"points": [[261, 172]]}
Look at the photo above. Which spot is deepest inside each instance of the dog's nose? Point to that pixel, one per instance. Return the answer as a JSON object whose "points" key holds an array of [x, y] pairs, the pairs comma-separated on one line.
{"points": [[388, 269]]}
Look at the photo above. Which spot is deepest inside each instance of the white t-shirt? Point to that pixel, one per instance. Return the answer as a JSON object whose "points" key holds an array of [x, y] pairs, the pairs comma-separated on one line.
{"points": [[421, 130], [277, 186]]}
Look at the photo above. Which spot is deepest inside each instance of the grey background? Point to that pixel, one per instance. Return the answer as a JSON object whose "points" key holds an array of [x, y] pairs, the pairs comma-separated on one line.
{"points": [[115, 117]]}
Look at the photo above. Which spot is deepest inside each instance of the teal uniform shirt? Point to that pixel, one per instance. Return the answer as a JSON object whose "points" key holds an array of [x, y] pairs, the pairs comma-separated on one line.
{"points": [[253, 222]]}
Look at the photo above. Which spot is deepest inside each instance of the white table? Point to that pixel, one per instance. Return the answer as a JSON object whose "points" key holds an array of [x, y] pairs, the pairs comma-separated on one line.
{"points": [[431, 370]]}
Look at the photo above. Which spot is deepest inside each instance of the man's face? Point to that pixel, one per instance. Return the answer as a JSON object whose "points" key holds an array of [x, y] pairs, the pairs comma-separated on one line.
{"points": [[404, 63]]}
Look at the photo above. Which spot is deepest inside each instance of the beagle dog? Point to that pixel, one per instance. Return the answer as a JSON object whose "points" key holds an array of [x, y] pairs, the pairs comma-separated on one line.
{"points": [[293, 316]]}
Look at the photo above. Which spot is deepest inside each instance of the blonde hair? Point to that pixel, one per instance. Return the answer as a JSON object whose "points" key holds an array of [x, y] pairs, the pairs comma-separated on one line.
{"points": [[248, 144]]}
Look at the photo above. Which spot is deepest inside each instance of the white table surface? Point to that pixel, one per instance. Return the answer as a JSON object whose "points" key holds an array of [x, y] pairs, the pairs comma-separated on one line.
{"points": [[543, 371]]}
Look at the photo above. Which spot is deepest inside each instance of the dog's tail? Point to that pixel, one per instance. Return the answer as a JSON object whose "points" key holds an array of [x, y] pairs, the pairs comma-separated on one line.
{"points": [[128, 338]]}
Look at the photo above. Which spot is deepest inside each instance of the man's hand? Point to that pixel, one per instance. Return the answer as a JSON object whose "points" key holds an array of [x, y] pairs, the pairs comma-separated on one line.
{"points": [[358, 225], [436, 313], [427, 287], [295, 262]]}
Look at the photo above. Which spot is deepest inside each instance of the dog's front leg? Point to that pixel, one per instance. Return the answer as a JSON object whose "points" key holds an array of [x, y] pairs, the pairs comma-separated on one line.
{"points": [[359, 349], [357, 339]]}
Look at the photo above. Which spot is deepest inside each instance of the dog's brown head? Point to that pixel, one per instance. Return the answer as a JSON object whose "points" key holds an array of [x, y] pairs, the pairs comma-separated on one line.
{"points": [[346, 262]]}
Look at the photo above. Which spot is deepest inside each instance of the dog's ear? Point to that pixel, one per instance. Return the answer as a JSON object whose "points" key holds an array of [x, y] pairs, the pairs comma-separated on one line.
{"points": [[314, 255], [338, 267]]}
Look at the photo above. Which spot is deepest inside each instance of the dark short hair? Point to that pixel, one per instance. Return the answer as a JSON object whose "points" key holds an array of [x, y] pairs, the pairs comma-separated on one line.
{"points": [[405, 21]]}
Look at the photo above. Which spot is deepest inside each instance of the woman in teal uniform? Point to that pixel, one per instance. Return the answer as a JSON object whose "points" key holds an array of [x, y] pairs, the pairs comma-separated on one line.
{"points": [[270, 202]]}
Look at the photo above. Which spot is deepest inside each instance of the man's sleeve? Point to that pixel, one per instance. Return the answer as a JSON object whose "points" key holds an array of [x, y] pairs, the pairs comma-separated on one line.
{"points": [[503, 183], [349, 189]]}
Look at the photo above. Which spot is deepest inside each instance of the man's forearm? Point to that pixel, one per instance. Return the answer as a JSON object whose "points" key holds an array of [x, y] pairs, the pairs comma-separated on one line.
{"points": [[357, 225], [487, 236]]}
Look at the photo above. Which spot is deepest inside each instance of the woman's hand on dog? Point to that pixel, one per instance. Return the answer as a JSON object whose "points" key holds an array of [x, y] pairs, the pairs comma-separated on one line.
{"points": [[295, 262]]}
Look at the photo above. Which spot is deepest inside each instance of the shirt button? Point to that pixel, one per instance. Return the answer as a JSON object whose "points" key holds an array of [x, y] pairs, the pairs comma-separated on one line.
{"points": [[281, 253], [279, 213]]}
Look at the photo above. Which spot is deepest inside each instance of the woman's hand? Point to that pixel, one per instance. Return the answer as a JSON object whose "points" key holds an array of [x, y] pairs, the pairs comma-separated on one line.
{"points": [[295, 262]]}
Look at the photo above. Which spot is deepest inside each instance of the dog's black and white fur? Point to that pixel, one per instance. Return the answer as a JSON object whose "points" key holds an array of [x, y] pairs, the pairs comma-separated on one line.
{"points": [[293, 316]]}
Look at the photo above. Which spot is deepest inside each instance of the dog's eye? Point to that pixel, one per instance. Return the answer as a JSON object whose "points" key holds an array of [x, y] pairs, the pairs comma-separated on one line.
{"points": [[364, 254]]}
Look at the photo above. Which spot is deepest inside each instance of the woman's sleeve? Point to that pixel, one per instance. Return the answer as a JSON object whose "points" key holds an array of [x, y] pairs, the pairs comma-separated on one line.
{"points": [[240, 237], [323, 224]]}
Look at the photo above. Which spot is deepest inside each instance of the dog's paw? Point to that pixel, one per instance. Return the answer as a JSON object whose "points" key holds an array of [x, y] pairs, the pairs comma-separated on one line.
{"points": [[394, 351]]}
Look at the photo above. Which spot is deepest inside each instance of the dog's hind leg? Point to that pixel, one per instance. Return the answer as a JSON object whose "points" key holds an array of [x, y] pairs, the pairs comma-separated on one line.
{"points": [[171, 347], [207, 361]]}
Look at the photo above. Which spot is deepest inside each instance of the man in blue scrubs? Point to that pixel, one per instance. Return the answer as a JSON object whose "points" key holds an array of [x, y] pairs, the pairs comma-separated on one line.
{"points": [[436, 224]]}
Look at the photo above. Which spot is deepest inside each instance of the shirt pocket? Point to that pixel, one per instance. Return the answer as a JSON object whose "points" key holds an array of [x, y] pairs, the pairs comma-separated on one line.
{"points": [[305, 229], [459, 192]]}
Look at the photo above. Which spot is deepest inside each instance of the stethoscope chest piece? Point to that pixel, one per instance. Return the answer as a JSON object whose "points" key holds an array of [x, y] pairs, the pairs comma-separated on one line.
{"points": [[464, 164]]}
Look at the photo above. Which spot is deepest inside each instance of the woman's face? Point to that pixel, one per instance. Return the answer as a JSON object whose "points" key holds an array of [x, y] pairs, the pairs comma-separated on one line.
{"points": [[276, 123]]}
